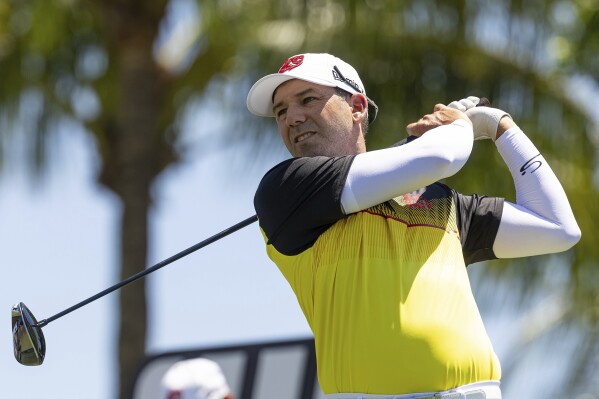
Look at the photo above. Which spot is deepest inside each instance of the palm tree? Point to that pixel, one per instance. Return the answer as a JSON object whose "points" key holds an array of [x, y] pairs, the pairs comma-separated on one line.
{"points": [[412, 54], [101, 53]]}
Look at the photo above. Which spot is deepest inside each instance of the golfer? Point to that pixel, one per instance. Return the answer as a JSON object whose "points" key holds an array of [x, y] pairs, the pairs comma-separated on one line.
{"points": [[375, 248]]}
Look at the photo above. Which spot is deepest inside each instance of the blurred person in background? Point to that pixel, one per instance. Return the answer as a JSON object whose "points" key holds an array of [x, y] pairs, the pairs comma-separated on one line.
{"points": [[195, 379]]}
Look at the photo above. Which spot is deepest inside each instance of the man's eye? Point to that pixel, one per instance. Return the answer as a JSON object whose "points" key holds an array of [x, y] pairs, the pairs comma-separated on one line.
{"points": [[308, 99], [281, 113]]}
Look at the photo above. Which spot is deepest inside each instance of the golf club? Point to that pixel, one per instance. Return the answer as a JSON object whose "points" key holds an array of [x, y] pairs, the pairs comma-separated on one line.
{"points": [[28, 339]]}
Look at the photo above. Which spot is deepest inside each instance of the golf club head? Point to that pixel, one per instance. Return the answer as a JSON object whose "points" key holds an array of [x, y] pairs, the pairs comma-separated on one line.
{"points": [[28, 340]]}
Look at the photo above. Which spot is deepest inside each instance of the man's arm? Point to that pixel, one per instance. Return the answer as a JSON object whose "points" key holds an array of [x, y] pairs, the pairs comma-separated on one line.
{"points": [[541, 221], [442, 150]]}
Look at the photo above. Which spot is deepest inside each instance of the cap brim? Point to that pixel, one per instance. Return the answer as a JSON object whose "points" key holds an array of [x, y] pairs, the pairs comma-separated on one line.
{"points": [[259, 100]]}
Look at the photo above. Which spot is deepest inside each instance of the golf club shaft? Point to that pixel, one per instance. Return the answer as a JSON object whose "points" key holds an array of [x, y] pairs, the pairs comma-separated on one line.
{"points": [[483, 102], [152, 269]]}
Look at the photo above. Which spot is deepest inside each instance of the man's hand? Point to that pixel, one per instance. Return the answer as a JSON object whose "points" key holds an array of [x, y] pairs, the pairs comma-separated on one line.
{"points": [[487, 122], [442, 115], [469, 102]]}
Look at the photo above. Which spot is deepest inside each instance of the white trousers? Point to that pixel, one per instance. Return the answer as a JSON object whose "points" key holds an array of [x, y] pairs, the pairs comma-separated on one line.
{"points": [[478, 390]]}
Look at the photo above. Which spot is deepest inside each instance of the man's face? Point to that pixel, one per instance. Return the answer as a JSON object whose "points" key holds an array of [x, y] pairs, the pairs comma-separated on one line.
{"points": [[313, 120]]}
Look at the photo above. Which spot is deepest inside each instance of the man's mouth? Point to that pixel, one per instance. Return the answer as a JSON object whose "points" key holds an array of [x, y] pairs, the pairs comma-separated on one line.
{"points": [[303, 136]]}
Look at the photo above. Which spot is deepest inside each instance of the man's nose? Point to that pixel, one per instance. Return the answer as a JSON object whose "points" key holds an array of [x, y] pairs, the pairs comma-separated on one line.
{"points": [[295, 115]]}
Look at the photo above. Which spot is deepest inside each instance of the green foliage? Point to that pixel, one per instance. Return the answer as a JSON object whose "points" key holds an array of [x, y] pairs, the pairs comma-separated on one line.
{"points": [[411, 54]]}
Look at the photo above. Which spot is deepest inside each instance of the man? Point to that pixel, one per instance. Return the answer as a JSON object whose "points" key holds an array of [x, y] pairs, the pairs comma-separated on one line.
{"points": [[195, 379], [375, 248]]}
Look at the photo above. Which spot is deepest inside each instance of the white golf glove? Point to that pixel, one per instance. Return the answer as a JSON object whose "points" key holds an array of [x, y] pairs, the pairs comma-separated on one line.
{"points": [[465, 103], [485, 120]]}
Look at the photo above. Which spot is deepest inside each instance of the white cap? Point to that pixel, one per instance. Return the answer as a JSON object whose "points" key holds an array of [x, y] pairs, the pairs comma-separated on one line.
{"points": [[322, 69], [194, 379]]}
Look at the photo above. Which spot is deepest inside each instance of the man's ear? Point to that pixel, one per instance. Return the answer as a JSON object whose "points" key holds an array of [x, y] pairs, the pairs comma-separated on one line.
{"points": [[359, 106]]}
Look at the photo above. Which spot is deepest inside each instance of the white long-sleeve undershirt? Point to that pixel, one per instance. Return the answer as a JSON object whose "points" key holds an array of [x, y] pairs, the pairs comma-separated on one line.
{"points": [[541, 221], [378, 176]]}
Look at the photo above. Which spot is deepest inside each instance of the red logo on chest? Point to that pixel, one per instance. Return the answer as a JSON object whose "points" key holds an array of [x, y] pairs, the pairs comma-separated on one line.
{"points": [[291, 63], [417, 201]]}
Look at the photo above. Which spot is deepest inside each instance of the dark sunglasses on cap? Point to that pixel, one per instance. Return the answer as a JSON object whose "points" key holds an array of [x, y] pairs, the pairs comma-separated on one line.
{"points": [[373, 109]]}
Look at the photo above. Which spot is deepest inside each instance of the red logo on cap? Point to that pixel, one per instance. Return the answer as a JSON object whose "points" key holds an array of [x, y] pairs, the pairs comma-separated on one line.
{"points": [[291, 63]]}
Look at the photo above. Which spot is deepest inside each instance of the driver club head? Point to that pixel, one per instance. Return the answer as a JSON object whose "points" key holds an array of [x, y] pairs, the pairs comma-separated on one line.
{"points": [[28, 340]]}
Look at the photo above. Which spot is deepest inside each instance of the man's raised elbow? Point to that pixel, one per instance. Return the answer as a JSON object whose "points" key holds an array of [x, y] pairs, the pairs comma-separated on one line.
{"points": [[570, 236]]}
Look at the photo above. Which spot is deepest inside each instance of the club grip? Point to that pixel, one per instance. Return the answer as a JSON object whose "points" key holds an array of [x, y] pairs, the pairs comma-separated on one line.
{"points": [[483, 102]]}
